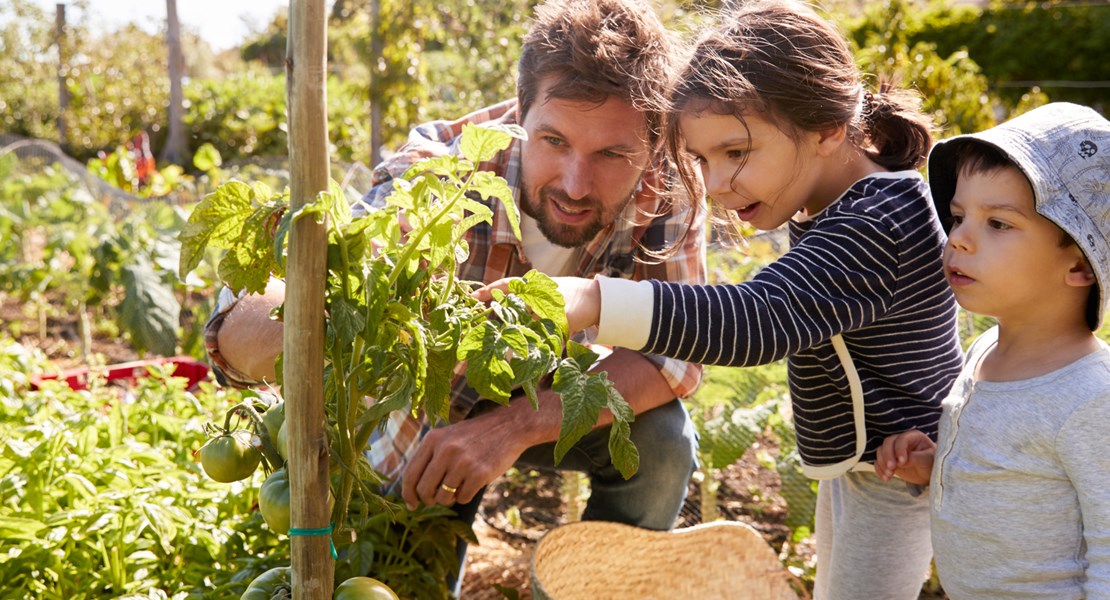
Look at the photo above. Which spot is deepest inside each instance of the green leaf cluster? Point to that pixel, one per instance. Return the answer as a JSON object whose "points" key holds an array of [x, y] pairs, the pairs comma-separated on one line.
{"points": [[973, 62]]}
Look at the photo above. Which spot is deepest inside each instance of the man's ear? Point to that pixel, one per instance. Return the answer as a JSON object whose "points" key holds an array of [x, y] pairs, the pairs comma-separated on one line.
{"points": [[828, 140], [1081, 274]]}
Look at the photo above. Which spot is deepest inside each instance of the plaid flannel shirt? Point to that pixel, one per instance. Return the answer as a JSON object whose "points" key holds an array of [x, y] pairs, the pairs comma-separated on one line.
{"points": [[495, 253]]}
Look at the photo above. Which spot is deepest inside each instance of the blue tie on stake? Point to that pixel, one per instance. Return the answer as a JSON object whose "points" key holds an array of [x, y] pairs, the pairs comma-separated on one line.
{"points": [[294, 531]]}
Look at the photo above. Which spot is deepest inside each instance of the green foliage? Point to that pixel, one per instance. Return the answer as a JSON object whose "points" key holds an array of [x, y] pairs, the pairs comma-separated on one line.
{"points": [[1020, 48], [100, 495], [244, 115], [241, 115], [120, 169], [954, 91], [59, 242], [436, 59], [28, 103], [398, 320], [1018, 42]]}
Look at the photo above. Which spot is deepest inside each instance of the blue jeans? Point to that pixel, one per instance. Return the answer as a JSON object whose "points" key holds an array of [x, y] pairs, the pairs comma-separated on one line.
{"points": [[667, 443]]}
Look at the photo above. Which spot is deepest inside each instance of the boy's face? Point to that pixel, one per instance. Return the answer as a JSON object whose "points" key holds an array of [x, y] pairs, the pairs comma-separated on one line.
{"points": [[1003, 259]]}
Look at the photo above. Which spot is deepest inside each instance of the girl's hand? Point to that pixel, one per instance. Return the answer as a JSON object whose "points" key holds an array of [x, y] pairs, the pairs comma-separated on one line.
{"points": [[909, 455], [581, 297]]}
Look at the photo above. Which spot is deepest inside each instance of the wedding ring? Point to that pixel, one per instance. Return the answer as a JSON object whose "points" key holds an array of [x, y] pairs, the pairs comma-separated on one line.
{"points": [[447, 488]]}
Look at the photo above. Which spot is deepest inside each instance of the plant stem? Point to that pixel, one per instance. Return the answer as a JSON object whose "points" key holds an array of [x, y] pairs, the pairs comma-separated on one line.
{"points": [[413, 243]]}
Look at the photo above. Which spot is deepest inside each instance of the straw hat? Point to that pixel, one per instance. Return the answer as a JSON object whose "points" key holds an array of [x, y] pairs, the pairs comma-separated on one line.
{"points": [[595, 560]]}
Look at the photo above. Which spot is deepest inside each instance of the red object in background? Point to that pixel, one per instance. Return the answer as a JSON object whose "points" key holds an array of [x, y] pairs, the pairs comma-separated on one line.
{"points": [[139, 148], [77, 379]]}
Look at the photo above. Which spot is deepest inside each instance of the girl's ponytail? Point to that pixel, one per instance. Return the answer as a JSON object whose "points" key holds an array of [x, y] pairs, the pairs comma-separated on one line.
{"points": [[900, 135]]}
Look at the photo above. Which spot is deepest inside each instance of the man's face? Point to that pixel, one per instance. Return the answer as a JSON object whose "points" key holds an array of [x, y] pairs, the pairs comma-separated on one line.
{"points": [[580, 165]]}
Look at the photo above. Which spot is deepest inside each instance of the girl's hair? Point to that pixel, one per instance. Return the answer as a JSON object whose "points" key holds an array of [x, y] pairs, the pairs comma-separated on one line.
{"points": [[780, 60]]}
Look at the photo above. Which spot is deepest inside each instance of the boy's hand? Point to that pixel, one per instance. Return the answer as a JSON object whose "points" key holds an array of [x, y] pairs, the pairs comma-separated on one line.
{"points": [[909, 455], [582, 299]]}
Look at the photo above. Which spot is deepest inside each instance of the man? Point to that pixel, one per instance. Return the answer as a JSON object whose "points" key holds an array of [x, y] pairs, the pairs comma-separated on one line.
{"points": [[588, 182]]}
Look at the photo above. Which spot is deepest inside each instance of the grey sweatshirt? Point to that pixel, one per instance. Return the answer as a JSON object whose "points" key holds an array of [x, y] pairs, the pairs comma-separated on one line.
{"points": [[1021, 484]]}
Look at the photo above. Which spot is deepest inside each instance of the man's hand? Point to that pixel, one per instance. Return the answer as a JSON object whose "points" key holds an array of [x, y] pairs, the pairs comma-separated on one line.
{"points": [[582, 299], [454, 462], [909, 455]]}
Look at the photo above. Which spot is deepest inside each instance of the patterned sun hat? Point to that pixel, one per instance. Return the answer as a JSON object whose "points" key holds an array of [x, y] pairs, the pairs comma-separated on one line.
{"points": [[1064, 151]]}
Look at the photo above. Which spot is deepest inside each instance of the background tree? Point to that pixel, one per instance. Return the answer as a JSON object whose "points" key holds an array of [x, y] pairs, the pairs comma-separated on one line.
{"points": [[177, 145]]}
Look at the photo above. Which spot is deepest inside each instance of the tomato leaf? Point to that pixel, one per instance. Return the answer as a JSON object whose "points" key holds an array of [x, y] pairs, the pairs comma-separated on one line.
{"points": [[217, 221], [584, 394], [479, 144], [484, 348], [489, 186], [542, 295]]}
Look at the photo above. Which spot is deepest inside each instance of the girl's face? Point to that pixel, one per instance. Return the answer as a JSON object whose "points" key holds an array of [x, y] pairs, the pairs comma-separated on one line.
{"points": [[779, 175]]}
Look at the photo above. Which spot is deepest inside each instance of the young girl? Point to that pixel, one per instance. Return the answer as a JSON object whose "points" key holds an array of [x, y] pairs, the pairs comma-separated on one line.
{"points": [[772, 109]]}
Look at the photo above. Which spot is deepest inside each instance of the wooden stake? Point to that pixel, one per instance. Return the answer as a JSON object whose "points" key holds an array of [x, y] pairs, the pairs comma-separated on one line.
{"points": [[306, 90]]}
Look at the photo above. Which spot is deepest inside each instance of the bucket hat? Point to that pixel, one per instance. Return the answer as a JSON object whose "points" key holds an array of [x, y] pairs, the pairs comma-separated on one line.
{"points": [[1064, 151]]}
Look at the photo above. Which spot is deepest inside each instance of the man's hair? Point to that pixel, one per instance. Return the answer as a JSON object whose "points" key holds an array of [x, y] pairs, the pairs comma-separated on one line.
{"points": [[978, 158], [596, 50]]}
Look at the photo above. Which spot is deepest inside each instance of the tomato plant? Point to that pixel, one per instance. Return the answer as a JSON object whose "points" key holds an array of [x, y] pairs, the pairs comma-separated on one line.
{"points": [[364, 588], [102, 497], [398, 321]]}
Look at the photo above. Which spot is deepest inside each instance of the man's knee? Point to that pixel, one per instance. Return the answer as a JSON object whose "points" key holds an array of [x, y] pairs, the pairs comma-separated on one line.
{"points": [[665, 436]]}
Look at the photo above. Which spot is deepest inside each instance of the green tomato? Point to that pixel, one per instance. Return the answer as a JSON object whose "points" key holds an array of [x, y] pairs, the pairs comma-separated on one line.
{"points": [[270, 585], [273, 419], [364, 588], [281, 442], [273, 501], [230, 457]]}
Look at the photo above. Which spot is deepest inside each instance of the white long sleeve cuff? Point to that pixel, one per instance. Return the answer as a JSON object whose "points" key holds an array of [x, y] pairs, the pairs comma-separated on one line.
{"points": [[626, 310]]}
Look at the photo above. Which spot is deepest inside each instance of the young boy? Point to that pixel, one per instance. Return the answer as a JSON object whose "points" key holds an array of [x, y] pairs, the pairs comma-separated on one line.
{"points": [[1021, 479]]}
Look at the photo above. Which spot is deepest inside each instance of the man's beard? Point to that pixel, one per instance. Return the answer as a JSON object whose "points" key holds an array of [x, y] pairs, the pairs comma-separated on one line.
{"points": [[560, 234]]}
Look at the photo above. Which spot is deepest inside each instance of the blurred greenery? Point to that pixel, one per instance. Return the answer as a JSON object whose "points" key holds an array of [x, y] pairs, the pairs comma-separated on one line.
{"points": [[974, 64]]}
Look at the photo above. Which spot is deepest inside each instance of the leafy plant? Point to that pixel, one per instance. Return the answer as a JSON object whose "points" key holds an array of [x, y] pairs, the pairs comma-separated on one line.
{"points": [[100, 495], [398, 320]]}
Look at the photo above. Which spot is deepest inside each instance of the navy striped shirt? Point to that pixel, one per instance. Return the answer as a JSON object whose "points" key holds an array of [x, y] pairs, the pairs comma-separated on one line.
{"points": [[868, 268]]}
